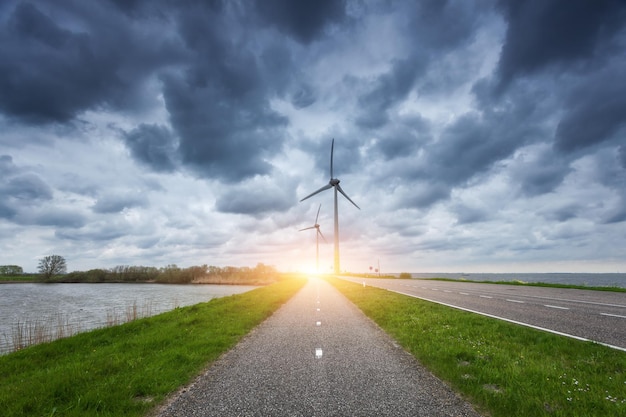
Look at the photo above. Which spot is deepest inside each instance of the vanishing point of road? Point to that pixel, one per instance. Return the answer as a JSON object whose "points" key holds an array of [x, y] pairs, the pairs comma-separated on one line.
{"points": [[318, 355]]}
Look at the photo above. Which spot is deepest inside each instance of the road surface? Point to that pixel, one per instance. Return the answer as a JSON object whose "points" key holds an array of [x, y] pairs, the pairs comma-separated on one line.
{"points": [[318, 355], [599, 316]]}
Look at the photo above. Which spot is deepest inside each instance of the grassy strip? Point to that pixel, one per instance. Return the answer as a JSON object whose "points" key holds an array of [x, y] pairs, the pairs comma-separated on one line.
{"points": [[127, 370], [18, 278], [504, 369], [533, 284]]}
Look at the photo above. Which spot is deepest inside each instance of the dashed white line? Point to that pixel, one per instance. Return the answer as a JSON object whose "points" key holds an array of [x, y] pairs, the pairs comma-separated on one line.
{"points": [[447, 291], [464, 293], [516, 301], [559, 307], [613, 315], [485, 296], [318, 323], [318, 353]]}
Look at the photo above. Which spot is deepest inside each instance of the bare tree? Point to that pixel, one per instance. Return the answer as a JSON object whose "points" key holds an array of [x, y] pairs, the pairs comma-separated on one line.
{"points": [[52, 265]]}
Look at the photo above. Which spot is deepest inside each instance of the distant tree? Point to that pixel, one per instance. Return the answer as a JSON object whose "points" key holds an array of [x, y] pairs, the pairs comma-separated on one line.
{"points": [[11, 270], [51, 265]]}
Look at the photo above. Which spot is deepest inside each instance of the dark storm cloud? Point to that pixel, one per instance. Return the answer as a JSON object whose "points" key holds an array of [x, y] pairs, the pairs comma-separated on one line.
{"points": [[544, 34], [52, 71], [154, 146], [595, 111], [303, 20], [219, 106]]}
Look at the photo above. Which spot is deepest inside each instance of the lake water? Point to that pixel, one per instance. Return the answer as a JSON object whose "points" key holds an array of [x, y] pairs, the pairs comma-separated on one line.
{"points": [[29, 311], [592, 280]]}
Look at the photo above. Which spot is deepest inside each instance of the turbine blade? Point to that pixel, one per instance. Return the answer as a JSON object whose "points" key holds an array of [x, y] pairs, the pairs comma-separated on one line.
{"points": [[326, 187], [318, 213], [320, 232], [332, 148], [307, 228], [346, 196]]}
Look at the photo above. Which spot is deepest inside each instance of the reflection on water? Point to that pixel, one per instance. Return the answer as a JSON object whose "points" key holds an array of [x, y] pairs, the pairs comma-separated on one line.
{"points": [[30, 310]]}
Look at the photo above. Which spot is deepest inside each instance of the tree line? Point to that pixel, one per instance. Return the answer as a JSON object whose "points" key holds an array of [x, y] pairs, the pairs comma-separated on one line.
{"points": [[53, 268]]}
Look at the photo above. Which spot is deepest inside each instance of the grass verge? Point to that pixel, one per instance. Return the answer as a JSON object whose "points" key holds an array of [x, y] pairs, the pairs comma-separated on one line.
{"points": [[504, 369], [534, 284], [127, 370]]}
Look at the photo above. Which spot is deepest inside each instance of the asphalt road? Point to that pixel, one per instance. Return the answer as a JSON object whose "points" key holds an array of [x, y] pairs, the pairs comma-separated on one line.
{"points": [[599, 316], [318, 355]]}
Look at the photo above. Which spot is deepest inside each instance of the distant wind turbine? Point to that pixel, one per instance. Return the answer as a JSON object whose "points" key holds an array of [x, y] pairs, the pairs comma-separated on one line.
{"points": [[317, 239], [334, 183]]}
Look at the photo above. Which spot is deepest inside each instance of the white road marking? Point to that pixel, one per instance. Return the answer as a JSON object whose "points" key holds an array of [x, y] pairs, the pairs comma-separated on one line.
{"points": [[613, 315], [447, 291], [559, 307], [463, 293], [318, 309], [318, 353], [516, 301], [485, 296], [318, 323]]}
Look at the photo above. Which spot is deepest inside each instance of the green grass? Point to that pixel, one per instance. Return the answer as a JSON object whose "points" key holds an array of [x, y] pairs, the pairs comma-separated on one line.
{"points": [[18, 278], [533, 284], [505, 370], [127, 370]]}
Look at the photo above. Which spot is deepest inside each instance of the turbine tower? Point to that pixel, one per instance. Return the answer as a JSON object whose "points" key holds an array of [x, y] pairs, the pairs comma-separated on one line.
{"points": [[334, 183], [317, 239]]}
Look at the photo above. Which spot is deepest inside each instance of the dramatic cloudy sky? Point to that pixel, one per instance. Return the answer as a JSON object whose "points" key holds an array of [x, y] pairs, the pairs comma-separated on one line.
{"points": [[475, 135]]}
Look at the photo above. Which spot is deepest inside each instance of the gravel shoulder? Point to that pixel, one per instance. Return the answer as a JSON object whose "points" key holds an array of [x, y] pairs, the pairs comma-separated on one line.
{"points": [[318, 355]]}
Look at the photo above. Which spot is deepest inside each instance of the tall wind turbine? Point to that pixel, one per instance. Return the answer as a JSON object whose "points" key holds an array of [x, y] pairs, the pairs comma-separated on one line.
{"points": [[317, 239], [334, 183]]}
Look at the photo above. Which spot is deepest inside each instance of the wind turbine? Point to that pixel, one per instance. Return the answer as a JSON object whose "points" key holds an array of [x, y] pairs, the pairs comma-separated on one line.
{"points": [[334, 183], [317, 239]]}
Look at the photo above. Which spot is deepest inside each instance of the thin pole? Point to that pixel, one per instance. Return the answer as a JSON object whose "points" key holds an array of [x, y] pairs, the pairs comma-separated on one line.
{"points": [[317, 250], [336, 235]]}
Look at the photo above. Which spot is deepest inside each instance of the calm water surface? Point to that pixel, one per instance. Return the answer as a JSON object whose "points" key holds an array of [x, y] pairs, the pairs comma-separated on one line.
{"points": [[80, 307]]}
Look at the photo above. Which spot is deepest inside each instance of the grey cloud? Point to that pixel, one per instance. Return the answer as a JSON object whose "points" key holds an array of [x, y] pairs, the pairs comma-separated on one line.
{"points": [[386, 91], [402, 138], [115, 203], [256, 198], [561, 214], [622, 155], [539, 171], [154, 146], [542, 34], [466, 214], [26, 187], [303, 20], [57, 217]]}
